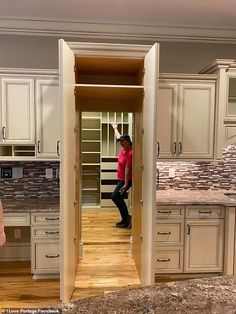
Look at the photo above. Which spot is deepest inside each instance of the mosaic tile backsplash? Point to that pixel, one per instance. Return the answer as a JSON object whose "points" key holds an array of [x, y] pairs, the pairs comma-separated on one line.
{"points": [[214, 175], [33, 184]]}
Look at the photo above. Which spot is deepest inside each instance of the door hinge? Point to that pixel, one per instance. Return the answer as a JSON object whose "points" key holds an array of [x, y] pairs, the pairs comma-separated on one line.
{"points": [[75, 91], [141, 202], [142, 167], [142, 131], [75, 129], [141, 237], [75, 68]]}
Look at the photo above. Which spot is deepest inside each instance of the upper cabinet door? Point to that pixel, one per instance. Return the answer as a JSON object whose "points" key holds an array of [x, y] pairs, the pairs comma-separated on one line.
{"points": [[67, 170], [196, 120], [151, 70], [167, 120], [18, 116], [48, 118]]}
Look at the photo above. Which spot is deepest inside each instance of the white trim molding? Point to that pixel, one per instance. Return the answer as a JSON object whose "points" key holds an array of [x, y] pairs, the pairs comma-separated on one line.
{"points": [[90, 30]]}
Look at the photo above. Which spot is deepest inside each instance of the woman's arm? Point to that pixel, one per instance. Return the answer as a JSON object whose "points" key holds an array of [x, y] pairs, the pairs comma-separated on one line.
{"points": [[2, 233], [117, 133]]}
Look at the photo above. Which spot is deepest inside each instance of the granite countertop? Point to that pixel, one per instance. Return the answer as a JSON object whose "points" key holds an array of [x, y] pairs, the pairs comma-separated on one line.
{"points": [[31, 205], [209, 197], [205, 295]]}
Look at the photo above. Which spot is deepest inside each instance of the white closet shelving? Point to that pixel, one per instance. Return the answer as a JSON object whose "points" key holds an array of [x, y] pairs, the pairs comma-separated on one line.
{"points": [[99, 155]]}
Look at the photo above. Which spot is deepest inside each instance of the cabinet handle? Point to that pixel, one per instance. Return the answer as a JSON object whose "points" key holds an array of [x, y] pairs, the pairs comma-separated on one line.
{"points": [[174, 148], [164, 212], [158, 177], [57, 218], [180, 148], [188, 229], [52, 232], [162, 260], [3, 132], [158, 148], [58, 148], [205, 212], [38, 147], [163, 233], [51, 256]]}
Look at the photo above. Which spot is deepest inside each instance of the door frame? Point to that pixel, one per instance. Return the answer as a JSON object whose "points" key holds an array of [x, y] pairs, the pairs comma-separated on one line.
{"points": [[132, 52]]}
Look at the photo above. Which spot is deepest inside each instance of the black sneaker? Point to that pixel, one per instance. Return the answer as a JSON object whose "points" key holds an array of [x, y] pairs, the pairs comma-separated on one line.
{"points": [[118, 224]]}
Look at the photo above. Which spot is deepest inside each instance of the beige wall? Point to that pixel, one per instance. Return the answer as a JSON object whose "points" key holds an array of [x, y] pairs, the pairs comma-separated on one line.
{"points": [[41, 52]]}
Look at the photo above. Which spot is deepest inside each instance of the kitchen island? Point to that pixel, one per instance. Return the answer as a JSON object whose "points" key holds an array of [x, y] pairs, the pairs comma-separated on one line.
{"points": [[206, 295]]}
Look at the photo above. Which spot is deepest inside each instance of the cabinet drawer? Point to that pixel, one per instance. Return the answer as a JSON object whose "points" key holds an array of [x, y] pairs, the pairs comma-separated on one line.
{"points": [[16, 219], [169, 232], [45, 218], [46, 256], [167, 211], [195, 211], [169, 260], [45, 233]]}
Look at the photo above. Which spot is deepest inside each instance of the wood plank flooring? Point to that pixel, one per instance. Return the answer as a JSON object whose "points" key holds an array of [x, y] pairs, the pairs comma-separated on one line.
{"points": [[106, 267]]}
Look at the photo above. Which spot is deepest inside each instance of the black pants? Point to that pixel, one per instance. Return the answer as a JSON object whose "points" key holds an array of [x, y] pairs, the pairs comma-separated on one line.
{"points": [[118, 199]]}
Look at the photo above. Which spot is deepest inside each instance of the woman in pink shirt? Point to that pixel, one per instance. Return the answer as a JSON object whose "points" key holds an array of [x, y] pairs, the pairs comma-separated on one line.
{"points": [[124, 178]]}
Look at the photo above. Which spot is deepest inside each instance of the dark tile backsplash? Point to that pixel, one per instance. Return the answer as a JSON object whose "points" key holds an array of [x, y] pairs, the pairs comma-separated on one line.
{"points": [[214, 175], [33, 184]]}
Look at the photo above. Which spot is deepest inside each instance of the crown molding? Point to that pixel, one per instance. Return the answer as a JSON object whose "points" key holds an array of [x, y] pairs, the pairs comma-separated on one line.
{"points": [[88, 30]]}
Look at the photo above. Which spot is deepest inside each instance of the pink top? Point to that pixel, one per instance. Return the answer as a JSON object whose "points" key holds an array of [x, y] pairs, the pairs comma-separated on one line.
{"points": [[124, 161]]}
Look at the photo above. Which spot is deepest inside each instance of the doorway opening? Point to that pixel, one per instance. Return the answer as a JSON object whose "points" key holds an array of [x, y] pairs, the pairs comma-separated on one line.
{"points": [[107, 263]]}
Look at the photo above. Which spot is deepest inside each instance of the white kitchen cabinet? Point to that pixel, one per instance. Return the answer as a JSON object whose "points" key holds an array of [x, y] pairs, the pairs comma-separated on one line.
{"points": [[45, 245], [169, 239], [47, 118], [17, 110], [190, 239], [204, 239], [185, 119]]}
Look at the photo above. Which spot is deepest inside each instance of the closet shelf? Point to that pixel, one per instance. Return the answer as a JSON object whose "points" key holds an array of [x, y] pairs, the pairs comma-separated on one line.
{"points": [[97, 91]]}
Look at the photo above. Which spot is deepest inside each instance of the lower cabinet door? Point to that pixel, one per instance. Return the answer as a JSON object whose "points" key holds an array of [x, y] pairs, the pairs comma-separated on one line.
{"points": [[204, 241], [45, 257], [169, 260]]}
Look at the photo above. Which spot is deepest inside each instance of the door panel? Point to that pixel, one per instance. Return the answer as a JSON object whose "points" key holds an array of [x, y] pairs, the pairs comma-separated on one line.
{"points": [[196, 135], [67, 172], [149, 164], [166, 120]]}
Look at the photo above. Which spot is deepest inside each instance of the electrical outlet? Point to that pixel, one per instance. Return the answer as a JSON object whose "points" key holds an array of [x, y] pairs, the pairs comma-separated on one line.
{"points": [[49, 173], [171, 172], [17, 233]]}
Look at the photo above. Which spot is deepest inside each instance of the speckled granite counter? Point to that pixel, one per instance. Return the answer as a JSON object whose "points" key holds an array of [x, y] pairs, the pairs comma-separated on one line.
{"points": [[179, 197], [207, 295], [31, 205]]}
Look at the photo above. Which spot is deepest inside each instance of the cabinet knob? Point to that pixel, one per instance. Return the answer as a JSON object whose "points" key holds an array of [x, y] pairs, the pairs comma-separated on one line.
{"points": [[174, 148], [38, 147], [188, 229], [58, 148], [3, 133], [158, 148], [180, 148]]}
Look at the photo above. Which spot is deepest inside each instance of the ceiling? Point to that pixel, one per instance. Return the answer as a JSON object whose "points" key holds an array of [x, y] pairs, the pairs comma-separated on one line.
{"points": [[166, 19]]}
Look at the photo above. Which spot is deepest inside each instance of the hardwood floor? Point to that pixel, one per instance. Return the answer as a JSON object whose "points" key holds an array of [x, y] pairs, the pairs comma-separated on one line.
{"points": [[106, 267], [18, 289]]}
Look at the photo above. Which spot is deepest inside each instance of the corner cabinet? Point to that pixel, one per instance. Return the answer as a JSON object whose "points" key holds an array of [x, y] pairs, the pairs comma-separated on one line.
{"points": [[225, 69], [17, 110], [186, 119], [47, 118]]}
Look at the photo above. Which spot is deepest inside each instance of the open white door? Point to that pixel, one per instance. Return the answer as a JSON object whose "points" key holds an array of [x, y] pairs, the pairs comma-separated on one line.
{"points": [[67, 172], [151, 67]]}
